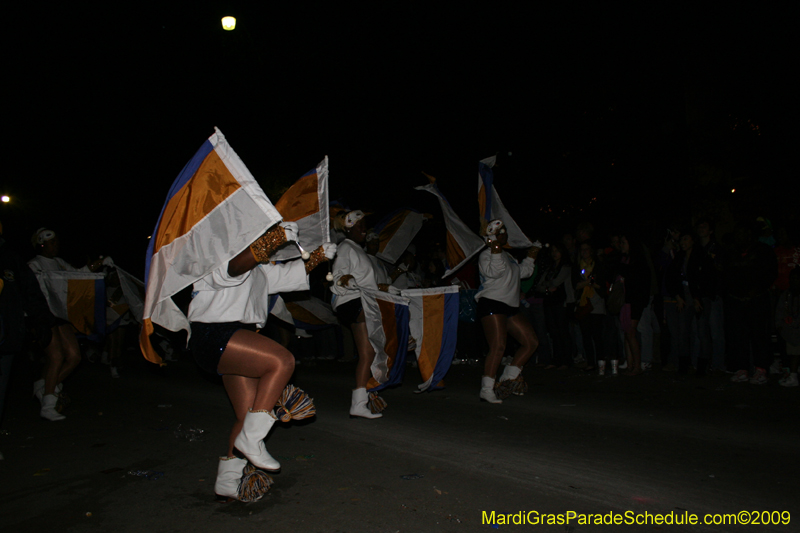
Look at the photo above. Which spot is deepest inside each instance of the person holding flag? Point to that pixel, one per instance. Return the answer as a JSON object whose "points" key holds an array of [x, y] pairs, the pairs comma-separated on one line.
{"points": [[352, 270], [211, 235], [498, 306], [62, 353]]}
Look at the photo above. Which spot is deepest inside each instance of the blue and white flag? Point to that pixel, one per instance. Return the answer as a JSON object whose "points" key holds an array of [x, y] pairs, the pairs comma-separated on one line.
{"points": [[433, 324]]}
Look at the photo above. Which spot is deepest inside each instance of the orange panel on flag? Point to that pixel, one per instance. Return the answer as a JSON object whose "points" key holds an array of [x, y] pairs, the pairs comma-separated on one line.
{"points": [[390, 329], [433, 318], [391, 228], [303, 315], [210, 186], [80, 304], [300, 200], [454, 252]]}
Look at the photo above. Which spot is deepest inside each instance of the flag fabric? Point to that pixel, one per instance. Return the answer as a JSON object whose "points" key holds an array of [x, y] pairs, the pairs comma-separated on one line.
{"points": [[133, 291], [306, 203], [386, 317], [78, 297], [433, 324], [491, 207], [462, 243], [396, 231], [311, 313], [214, 210]]}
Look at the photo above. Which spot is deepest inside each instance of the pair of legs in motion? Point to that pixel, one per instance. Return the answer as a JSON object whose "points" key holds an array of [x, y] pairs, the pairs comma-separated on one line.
{"points": [[497, 328], [62, 357], [255, 370]]}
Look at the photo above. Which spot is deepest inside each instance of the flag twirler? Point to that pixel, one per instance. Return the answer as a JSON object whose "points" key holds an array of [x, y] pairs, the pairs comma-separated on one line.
{"points": [[396, 231], [214, 210], [462, 243], [306, 203], [491, 207], [433, 323], [386, 317]]}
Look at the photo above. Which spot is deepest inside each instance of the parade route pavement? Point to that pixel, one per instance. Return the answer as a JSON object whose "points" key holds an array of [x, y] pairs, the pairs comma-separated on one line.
{"points": [[124, 459]]}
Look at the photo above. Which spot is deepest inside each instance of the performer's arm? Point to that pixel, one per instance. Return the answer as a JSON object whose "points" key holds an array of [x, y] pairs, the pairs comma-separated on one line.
{"points": [[262, 248]]}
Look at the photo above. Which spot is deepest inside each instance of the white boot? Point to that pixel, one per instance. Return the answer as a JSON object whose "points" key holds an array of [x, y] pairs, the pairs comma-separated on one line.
{"points": [[49, 408], [250, 441], [229, 475], [601, 368], [487, 390], [38, 389], [510, 373], [358, 405], [614, 367]]}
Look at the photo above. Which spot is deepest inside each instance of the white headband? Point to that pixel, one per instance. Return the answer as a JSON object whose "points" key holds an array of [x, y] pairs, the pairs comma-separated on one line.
{"points": [[352, 218], [494, 227], [43, 235]]}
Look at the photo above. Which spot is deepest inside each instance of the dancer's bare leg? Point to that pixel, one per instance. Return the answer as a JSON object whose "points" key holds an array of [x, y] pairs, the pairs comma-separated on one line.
{"points": [[494, 327], [522, 331], [70, 350], [242, 393], [366, 353], [251, 355], [63, 355]]}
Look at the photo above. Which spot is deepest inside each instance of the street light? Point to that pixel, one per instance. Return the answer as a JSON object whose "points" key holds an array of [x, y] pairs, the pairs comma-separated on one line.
{"points": [[228, 23], [5, 199]]}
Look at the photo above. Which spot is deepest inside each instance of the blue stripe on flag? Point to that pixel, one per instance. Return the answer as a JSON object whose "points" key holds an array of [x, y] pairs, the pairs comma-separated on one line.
{"points": [[188, 172], [449, 338], [398, 370], [99, 311]]}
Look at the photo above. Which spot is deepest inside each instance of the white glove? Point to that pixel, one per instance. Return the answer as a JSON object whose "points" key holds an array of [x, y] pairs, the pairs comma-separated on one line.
{"points": [[291, 229], [329, 249], [107, 261]]}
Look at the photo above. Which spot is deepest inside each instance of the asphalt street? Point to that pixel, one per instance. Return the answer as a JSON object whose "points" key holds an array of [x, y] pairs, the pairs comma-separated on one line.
{"points": [[124, 459]]}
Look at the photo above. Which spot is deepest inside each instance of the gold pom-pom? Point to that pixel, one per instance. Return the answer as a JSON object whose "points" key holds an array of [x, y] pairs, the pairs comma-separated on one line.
{"points": [[376, 404], [254, 485], [504, 389], [294, 404]]}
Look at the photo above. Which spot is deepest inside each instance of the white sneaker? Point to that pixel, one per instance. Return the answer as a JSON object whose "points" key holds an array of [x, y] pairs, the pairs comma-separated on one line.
{"points": [[114, 372], [789, 381], [775, 367]]}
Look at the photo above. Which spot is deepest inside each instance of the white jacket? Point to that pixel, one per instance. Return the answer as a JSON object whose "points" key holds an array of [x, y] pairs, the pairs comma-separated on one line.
{"points": [[500, 276], [220, 297]]}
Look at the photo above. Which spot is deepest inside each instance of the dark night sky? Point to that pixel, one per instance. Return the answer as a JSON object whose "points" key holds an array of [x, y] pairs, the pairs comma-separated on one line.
{"points": [[110, 100]]}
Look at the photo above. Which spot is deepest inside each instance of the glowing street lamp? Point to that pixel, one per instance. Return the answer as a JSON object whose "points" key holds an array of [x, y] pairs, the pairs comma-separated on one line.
{"points": [[5, 199], [228, 23]]}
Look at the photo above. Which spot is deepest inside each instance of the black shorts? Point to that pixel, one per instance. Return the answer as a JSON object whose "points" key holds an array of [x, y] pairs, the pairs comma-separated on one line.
{"points": [[210, 340], [488, 307], [348, 313]]}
